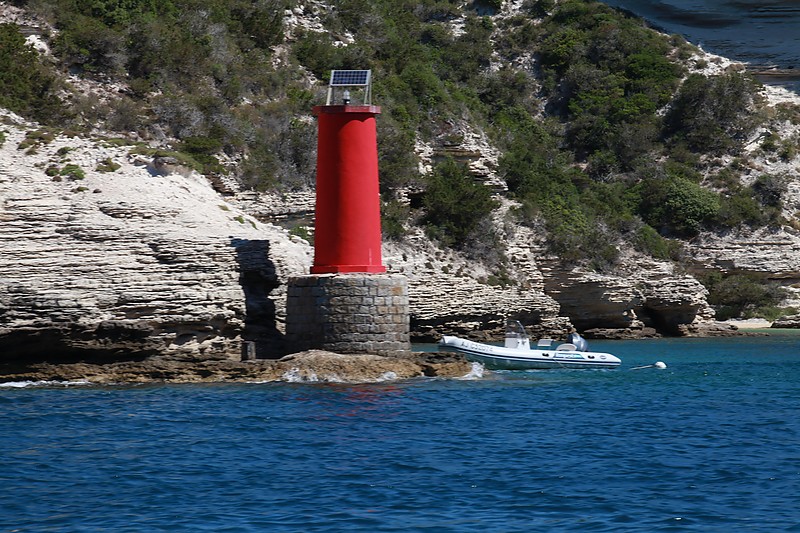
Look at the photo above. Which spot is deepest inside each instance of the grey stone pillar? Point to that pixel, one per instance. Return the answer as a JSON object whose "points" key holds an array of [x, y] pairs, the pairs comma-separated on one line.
{"points": [[348, 313]]}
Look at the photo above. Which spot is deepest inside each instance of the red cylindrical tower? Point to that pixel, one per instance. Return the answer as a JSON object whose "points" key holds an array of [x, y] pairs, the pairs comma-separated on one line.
{"points": [[347, 235]]}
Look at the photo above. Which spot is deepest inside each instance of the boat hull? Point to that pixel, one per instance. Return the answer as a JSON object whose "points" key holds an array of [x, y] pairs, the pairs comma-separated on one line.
{"points": [[500, 358]]}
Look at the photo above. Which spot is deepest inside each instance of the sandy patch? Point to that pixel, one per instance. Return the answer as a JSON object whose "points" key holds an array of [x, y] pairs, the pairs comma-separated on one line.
{"points": [[750, 323]]}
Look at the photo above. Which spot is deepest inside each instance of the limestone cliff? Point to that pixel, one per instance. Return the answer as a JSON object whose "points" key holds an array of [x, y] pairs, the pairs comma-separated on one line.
{"points": [[108, 255], [105, 255]]}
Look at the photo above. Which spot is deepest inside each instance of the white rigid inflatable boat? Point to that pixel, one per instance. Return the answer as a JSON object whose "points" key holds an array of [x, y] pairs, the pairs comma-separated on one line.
{"points": [[517, 353]]}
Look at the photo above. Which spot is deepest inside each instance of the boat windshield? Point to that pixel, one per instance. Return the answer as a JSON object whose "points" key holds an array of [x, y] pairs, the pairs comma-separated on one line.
{"points": [[515, 330]]}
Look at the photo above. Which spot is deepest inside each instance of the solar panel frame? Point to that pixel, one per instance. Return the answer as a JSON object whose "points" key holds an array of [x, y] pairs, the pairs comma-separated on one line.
{"points": [[350, 78]]}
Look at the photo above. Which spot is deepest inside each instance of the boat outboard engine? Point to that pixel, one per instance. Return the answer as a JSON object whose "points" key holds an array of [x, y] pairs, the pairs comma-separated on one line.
{"points": [[579, 342]]}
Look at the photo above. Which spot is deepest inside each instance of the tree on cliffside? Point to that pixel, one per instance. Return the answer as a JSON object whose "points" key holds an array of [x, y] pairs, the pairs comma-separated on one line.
{"points": [[26, 87], [578, 134], [713, 114], [454, 204]]}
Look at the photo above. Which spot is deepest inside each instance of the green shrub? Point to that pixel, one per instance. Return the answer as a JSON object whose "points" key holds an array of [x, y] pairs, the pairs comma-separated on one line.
{"points": [[538, 8], [608, 74], [713, 114], [87, 43], [202, 150], [741, 295], [675, 205], [181, 158], [770, 142], [394, 216], [120, 13], [500, 278], [469, 53], [317, 52], [647, 240], [36, 138], [73, 172], [397, 163], [26, 86], [788, 149], [303, 232], [108, 165], [769, 189], [739, 208], [454, 204]]}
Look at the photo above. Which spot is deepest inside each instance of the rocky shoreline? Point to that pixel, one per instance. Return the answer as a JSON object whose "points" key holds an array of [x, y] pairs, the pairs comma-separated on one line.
{"points": [[148, 271], [314, 366], [150, 261]]}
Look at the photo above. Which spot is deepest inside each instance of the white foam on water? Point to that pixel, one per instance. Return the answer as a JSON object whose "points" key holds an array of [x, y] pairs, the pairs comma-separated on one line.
{"points": [[26, 384], [476, 372], [387, 376], [294, 375]]}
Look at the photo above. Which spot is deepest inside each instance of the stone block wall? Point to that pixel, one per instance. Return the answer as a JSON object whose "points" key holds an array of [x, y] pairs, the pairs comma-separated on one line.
{"points": [[348, 313]]}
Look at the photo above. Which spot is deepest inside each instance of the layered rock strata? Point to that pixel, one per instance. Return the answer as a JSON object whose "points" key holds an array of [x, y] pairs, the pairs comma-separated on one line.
{"points": [[644, 298], [127, 258], [103, 256]]}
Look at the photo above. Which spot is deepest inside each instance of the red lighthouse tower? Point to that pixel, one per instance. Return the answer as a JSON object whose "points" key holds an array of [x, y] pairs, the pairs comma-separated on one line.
{"points": [[348, 219], [348, 303]]}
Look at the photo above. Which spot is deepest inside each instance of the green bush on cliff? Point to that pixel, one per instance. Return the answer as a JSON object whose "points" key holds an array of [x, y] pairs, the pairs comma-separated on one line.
{"points": [[26, 86], [669, 198], [757, 205], [713, 114], [741, 295], [608, 74], [647, 240], [455, 205], [393, 216]]}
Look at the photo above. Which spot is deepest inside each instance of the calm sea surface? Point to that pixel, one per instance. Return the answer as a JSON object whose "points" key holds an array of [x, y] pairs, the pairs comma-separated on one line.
{"points": [[712, 443]]}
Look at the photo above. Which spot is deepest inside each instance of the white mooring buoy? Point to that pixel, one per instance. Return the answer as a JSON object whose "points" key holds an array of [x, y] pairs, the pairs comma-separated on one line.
{"points": [[658, 364]]}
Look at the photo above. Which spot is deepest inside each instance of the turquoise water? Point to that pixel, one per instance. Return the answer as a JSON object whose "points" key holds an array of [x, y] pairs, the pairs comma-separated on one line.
{"points": [[709, 444]]}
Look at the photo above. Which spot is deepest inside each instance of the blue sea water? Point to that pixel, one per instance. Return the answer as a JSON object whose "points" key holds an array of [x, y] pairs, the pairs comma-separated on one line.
{"points": [[712, 443]]}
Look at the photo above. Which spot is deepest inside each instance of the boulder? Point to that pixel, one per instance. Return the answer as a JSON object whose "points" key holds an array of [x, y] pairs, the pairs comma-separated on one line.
{"points": [[787, 322]]}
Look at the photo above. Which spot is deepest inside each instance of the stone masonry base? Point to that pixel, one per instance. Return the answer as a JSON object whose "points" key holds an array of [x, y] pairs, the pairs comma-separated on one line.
{"points": [[348, 313]]}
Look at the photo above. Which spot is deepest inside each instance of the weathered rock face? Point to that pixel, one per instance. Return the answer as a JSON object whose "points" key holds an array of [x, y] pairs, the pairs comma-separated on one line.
{"points": [[129, 263], [141, 261], [450, 295], [769, 254], [789, 322], [649, 298], [773, 252]]}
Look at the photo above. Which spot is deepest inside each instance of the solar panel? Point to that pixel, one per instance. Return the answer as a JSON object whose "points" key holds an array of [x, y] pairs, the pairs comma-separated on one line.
{"points": [[350, 78]]}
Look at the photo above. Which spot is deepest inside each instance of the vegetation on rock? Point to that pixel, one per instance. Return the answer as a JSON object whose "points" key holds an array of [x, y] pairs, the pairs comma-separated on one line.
{"points": [[743, 295], [606, 141]]}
